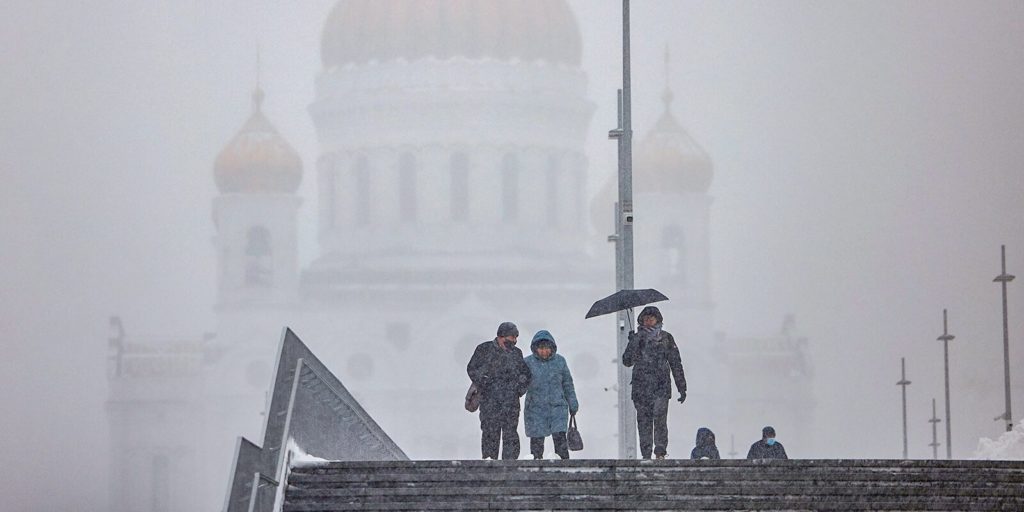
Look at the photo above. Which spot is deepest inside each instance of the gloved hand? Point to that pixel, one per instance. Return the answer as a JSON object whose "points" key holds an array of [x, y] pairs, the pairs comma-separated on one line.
{"points": [[631, 336], [682, 397]]}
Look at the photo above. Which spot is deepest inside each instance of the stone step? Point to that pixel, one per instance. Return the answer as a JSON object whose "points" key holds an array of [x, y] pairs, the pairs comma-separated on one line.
{"points": [[657, 485], [724, 476], [933, 505]]}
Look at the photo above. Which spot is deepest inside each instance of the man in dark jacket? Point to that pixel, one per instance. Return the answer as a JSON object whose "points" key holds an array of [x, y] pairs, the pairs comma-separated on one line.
{"points": [[767, 447], [654, 356], [498, 370]]}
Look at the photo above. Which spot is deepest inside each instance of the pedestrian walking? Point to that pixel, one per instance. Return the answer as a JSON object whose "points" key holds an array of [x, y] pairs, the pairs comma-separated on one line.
{"points": [[767, 447], [705, 447], [654, 357], [550, 398], [499, 372]]}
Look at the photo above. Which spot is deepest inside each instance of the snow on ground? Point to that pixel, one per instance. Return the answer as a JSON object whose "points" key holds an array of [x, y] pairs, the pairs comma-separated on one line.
{"points": [[1009, 446], [297, 457]]}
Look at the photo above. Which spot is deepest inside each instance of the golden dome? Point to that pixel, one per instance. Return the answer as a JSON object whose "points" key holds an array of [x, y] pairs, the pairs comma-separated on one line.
{"points": [[668, 160], [360, 31], [258, 159]]}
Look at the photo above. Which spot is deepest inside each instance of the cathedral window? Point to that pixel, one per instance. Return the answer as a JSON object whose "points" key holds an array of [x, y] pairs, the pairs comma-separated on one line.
{"points": [[161, 497], [258, 257], [510, 188], [362, 189], [331, 178], [460, 187], [407, 188], [674, 242], [552, 191]]}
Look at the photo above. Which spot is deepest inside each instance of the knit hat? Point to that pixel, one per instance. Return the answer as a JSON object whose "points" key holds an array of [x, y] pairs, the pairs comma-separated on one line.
{"points": [[507, 329]]}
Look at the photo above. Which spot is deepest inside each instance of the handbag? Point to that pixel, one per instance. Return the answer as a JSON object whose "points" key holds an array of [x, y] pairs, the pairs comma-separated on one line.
{"points": [[573, 437], [473, 398]]}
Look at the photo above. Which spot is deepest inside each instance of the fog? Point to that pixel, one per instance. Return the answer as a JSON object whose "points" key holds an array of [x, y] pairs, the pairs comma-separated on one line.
{"points": [[867, 169]]}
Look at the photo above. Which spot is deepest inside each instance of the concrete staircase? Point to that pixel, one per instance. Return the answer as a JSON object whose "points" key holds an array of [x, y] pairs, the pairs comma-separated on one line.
{"points": [[657, 485]]}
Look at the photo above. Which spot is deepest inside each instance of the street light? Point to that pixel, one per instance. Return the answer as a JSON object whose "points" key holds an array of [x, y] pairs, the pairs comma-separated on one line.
{"points": [[945, 339], [623, 239], [904, 383], [1002, 279]]}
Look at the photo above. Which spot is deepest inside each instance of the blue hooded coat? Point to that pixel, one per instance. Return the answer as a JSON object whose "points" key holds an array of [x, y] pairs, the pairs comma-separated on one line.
{"points": [[551, 395]]}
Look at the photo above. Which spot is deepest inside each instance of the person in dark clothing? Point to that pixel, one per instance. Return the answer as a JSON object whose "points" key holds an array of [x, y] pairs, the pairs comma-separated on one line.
{"points": [[499, 372], [767, 447], [705, 448], [654, 356]]}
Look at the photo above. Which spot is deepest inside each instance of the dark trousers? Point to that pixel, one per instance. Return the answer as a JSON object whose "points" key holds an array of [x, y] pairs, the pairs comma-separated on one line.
{"points": [[499, 423], [652, 424], [561, 446]]}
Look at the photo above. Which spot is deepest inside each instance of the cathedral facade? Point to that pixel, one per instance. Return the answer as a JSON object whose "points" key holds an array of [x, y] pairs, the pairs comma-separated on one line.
{"points": [[452, 195]]}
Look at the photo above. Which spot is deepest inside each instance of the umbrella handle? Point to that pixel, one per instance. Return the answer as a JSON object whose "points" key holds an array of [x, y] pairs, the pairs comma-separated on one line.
{"points": [[629, 319]]}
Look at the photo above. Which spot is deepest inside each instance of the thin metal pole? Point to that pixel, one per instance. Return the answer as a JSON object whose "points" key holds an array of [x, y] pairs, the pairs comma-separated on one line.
{"points": [[935, 432], [904, 383], [624, 241], [1004, 278], [945, 339]]}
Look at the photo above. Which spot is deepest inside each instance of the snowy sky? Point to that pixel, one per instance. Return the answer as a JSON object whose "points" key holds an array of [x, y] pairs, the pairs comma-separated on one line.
{"points": [[867, 168]]}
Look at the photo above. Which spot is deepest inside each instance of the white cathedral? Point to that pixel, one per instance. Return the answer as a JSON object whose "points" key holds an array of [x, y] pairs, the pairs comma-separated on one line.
{"points": [[453, 195]]}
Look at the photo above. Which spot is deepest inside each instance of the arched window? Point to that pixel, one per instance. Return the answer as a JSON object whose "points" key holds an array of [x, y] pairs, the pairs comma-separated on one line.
{"points": [[258, 254], [673, 240], [407, 188], [552, 191], [161, 498], [361, 173], [331, 184], [510, 187], [460, 187]]}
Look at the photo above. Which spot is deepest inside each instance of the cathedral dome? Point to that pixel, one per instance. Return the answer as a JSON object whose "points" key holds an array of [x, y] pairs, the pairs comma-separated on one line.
{"points": [[258, 159], [669, 160], [666, 161], [360, 31]]}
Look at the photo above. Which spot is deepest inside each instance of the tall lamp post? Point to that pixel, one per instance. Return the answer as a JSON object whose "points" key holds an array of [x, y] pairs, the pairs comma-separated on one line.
{"points": [[945, 339], [623, 238], [1002, 279], [904, 383], [935, 433]]}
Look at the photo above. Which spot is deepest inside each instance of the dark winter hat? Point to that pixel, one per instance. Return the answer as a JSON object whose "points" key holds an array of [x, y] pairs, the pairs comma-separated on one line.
{"points": [[508, 329], [768, 431], [650, 311]]}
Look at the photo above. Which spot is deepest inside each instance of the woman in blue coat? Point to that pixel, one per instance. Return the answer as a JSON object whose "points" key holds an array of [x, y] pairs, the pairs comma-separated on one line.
{"points": [[550, 397]]}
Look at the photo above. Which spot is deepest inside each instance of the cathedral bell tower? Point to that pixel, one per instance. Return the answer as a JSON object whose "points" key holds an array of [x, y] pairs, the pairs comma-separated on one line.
{"points": [[257, 174]]}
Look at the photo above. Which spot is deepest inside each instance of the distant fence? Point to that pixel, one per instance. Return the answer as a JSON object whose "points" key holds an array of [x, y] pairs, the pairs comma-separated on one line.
{"points": [[311, 407]]}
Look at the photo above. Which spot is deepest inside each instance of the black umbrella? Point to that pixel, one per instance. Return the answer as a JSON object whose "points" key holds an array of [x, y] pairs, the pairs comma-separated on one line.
{"points": [[625, 299]]}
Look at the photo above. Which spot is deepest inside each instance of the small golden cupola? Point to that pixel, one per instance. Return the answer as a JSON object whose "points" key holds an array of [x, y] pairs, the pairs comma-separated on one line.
{"points": [[667, 159], [258, 159]]}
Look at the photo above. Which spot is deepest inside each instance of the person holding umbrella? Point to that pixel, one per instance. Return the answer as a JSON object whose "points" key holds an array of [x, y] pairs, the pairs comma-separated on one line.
{"points": [[654, 357], [499, 372]]}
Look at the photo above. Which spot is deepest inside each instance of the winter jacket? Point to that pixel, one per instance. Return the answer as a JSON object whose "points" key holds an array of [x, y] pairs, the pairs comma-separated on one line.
{"points": [[500, 374], [652, 362], [551, 396], [761, 450], [705, 447]]}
